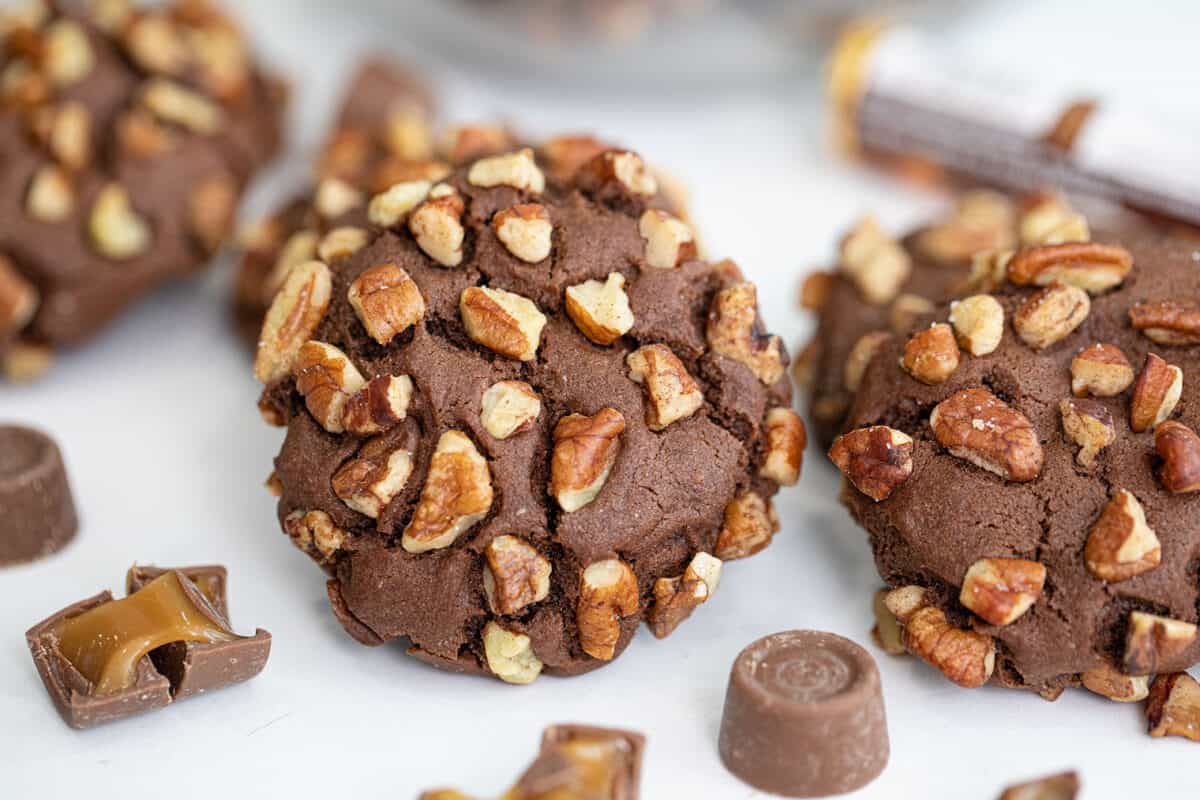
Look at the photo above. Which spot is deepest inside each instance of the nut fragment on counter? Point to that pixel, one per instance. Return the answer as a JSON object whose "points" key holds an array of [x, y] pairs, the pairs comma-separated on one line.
{"points": [[457, 494], [671, 392], [1064, 786], [875, 460]]}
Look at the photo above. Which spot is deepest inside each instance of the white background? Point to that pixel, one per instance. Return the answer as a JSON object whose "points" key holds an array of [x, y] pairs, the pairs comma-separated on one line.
{"points": [[167, 456]]}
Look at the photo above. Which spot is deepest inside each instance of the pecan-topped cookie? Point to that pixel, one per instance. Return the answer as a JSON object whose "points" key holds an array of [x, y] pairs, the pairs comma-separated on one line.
{"points": [[1035, 506], [127, 136], [521, 416], [882, 285]]}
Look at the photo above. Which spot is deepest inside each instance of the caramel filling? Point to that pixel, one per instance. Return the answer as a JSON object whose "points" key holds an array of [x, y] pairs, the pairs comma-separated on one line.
{"points": [[579, 769], [106, 643]]}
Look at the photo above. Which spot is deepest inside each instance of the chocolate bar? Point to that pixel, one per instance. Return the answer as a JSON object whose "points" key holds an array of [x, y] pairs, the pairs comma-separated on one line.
{"points": [[103, 659]]}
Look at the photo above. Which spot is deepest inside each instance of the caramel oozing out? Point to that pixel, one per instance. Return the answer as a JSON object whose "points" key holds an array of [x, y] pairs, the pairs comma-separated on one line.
{"points": [[106, 643]]}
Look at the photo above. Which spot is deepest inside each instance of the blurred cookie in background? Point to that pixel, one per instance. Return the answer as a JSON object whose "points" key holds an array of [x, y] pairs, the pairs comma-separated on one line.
{"points": [[128, 136]]}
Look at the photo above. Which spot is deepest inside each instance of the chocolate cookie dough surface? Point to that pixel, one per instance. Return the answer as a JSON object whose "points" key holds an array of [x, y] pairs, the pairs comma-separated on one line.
{"points": [[522, 417], [127, 136], [1027, 467]]}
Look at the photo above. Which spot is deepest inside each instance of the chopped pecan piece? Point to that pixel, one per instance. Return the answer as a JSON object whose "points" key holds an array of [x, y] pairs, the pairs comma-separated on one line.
{"points": [[1000, 590], [1179, 448], [749, 525], [876, 460], [1101, 370], [979, 427], [456, 495], [931, 355], [1168, 322], [376, 474], [608, 591], [1051, 314], [1154, 643], [671, 393], [1155, 395], [1089, 424], [1121, 543], [585, 451], [732, 332], [1174, 706], [676, 598]]}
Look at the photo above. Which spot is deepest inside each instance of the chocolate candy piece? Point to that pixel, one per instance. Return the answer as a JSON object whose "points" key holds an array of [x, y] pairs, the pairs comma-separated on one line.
{"points": [[804, 716], [576, 762], [38, 513], [102, 659]]}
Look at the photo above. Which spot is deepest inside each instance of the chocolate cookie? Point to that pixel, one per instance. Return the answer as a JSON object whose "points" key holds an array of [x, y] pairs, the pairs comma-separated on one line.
{"points": [[521, 417], [382, 134], [127, 137], [881, 285], [1027, 467]]}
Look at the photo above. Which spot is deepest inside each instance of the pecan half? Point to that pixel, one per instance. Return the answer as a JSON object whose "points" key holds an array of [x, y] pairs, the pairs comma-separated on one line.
{"points": [[292, 319], [608, 591], [1121, 543], [515, 575], [671, 392], [876, 460], [1101, 370], [1168, 322], [457, 494], [979, 427], [784, 441], [931, 355], [748, 526], [1155, 395], [387, 301], [676, 598], [1000, 590], [1051, 314], [732, 332], [1090, 266], [1179, 448], [376, 474], [585, 451], [965, 657]]}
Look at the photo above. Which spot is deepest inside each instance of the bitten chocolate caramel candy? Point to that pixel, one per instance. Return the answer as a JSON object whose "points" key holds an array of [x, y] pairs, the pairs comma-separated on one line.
{"points": [[37, 514], [804, 716], [103, 659]]}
